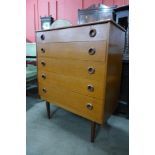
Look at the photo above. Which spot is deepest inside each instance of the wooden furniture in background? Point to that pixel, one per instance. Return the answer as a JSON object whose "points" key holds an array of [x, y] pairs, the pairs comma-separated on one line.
{"points": [[122, 18], [79, 69]]}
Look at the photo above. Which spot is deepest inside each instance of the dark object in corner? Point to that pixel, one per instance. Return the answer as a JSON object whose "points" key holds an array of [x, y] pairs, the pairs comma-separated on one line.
{"points": [[122, 18], [48, 110], [46, 22]]}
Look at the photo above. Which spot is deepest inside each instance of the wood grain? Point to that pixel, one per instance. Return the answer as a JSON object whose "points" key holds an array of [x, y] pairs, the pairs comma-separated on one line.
{"points": [[73, 50], [73, 34], [66, 62], [73, 102], [102, 22], [114, 68], [71, 83], [74, 68]]}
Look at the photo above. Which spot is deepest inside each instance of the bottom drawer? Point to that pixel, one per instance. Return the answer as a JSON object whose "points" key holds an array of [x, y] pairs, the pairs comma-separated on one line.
{"points": [[87, 107]]}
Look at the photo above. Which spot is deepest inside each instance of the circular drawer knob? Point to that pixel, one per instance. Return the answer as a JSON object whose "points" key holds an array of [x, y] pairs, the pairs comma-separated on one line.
{"points": [[42, 37], [43, 63], [43, 50], [92, 33], [91, 51], [44, 90], [43, 76], [90, 88], [91, 70], [89, 106]]}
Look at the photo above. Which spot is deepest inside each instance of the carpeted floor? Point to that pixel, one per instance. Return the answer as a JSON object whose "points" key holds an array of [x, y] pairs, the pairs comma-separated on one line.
{"points": [[69, 134]]}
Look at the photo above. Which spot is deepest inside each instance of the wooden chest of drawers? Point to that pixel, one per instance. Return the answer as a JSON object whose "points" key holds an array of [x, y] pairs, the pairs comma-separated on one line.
{"points": [[79, 68]]}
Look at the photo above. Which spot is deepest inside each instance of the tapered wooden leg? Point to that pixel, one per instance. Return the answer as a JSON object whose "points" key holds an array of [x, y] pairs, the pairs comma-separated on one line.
{"points": [[93, 131], [48, 109]]}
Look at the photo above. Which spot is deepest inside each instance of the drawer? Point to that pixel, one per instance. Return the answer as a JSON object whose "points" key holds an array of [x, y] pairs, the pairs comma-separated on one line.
{"points": [[85, 33], [91, 70], [82, 86], [87, 107], [74, 50]]}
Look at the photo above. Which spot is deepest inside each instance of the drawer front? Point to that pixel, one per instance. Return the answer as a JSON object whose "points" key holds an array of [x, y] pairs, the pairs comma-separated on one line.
{"points": [[85, 33], [87, 107], [81, 69], [81, 86], [74, 50]]}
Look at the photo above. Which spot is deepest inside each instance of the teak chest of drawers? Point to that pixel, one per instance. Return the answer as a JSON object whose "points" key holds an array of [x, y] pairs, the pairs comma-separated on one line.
{"points": [[79, 68]]}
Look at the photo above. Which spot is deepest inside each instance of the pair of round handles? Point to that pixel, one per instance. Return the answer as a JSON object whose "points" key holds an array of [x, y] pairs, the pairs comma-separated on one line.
{"points": [[91, 70], [92, 33], [89, 87], [91, 51], [89, 106]]}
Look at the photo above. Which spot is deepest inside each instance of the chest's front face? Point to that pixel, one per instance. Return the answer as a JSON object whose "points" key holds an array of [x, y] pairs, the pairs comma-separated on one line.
{"points": [[72, 69]]}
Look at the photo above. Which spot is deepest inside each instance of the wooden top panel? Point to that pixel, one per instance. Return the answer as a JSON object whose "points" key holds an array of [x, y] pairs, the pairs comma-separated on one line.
{"points": [[87, 24], [86, 33]]}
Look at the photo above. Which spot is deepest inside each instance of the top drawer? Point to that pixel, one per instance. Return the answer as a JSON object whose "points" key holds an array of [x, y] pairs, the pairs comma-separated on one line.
{"points": [[86, 33]]}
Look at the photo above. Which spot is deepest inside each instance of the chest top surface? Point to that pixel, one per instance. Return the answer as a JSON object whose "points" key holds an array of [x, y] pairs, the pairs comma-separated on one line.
{"points": [[95, 31], [87, 24]]}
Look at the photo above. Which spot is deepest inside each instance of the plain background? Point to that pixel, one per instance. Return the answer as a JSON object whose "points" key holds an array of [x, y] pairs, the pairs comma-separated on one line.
{"points": [[13, 77]]}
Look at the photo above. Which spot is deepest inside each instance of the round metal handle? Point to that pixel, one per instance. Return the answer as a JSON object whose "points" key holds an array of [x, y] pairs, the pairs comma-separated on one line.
{"points": [[89, 106], [43, 63], [43, 76], [90, 88], [44, 90], [42, 37], [91, 51], [91, 70], [92, 33], [43, 50]]}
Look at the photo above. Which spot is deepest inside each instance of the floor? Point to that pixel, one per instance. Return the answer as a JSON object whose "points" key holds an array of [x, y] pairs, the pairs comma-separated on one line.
{"points": [[32, 97], [31, 101], [69, 134]]}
